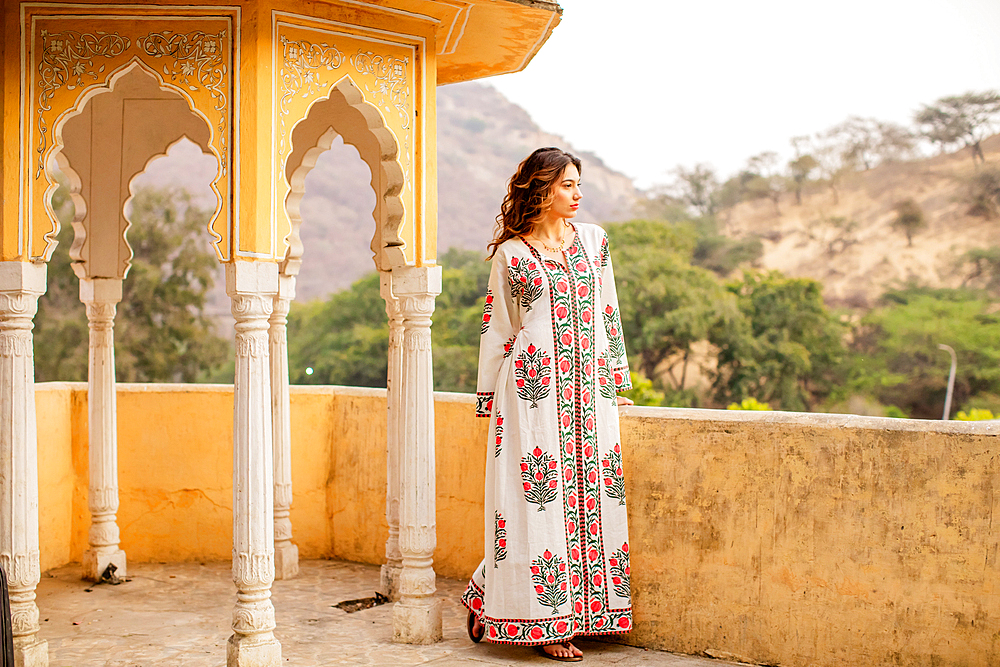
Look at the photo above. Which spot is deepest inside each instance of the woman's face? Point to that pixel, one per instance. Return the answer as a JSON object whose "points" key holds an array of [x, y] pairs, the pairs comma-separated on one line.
{"points": [[567, 194]]}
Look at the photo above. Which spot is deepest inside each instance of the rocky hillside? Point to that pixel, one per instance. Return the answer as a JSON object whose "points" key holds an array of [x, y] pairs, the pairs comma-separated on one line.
{"points": [[848, 242]]}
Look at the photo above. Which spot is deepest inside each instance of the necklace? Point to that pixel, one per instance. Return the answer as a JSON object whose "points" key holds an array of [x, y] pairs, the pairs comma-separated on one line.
{"points": [[560, 247]]}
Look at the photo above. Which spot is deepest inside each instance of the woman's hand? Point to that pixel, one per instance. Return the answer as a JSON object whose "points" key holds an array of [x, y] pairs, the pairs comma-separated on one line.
{"points": [[624, 401]]}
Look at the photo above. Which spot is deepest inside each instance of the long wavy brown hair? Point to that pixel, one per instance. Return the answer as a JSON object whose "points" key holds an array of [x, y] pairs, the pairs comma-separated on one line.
{"points": [[530, 193]]}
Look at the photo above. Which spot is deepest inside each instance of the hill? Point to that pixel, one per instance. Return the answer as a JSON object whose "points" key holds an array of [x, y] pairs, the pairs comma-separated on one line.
{"points": [[848, 242]]}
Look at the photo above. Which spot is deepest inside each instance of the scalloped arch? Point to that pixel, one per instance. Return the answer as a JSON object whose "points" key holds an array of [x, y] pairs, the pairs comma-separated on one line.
{"points": [[345, 112], [198, 130]]}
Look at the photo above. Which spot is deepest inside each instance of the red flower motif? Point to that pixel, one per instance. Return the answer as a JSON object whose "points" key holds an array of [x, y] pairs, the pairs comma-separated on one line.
{"points": [[618, 378], [489, 298], [625, 547], [553, 483], [524, 467], [618, 449], [562, 586], [607, 481], [586, 397], [547, 555], [586, 316], [616, 580], [502, 543], [564, 367], [515, 260], [566, 339], [575, 555], [539, 589], [537, 452], [511, 629], [606, 463], [592, 477], [534, 569], [493, 631], [613, 331], [593, 529], [599, 622], [623, 622], [583, 291], [532, 266], [595, 606], [597, 580], [579, 607], [591, 503], [531, 349], [612, 562], [527, 486], [576, 581], [546, 380], [570, 527], [539, 476], [562, 286], [588, 451], [546, 361], [550, 579], [536, 632], [537, 281], [581, 266], [532, 373], [588, 368], [561, 627], [592, 554], [486, 317], [519, 363], [609, 310], [520, 383], [566, 420], [572, 501], [585, 343], [568, 474], [552, 465], [477, 604]]}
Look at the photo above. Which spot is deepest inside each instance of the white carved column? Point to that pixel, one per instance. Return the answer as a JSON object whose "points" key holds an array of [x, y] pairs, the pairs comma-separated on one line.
{"points": [[389, 580], [416, 618], [286, 554], [20, 286], [252, 287], [100, 295]]}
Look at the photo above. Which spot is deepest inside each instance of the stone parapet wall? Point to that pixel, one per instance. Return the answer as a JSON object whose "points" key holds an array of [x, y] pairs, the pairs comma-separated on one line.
{"points": [[777, 538]]}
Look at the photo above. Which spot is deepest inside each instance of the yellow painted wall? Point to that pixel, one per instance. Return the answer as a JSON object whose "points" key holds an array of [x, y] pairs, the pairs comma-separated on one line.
{"points": [[772, 537]]}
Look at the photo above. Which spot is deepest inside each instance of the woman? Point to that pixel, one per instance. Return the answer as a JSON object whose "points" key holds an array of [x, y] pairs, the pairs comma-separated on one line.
{"points": [[551, 361]]}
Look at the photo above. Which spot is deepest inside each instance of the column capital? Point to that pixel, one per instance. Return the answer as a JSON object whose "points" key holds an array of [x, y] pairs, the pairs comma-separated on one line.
{"points": [[245, 278], [416, 281], [100, 290], [23, 277]]}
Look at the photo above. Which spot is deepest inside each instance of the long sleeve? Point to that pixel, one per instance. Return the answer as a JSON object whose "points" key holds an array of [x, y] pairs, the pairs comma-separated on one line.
{"points": [[501, 322], [613, 321]]}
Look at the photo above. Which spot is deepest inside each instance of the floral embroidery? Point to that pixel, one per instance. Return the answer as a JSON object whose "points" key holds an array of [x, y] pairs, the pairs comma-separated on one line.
{"points": [[620, 572], [548, 573], [499, 433], [540, 478], [525, 281], [614, 480], [607, 384], [533, 370], [613, 327], [605, 252], [499, 539], [487, 311], [508, 347]]}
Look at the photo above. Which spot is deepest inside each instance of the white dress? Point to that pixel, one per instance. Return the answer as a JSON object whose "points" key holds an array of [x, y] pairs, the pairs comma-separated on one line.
{"points": [[551, 361]]}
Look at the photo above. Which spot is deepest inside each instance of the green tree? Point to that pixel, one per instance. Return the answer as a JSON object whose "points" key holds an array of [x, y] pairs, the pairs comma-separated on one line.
{"points": [[895, 355], [667, 304], [161, 331], [799, 169], [960, 120], [458, 320], [697, 187], [786, 349], [983, 193], [909, 218]]}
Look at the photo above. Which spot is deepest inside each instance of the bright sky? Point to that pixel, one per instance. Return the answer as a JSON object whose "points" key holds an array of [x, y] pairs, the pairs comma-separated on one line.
{"points": [[650, 84]]}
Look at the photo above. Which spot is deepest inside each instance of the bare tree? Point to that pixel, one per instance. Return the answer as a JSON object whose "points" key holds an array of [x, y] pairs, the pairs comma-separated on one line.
{"points": [[867, 142], [960, 120], [697, 188]]}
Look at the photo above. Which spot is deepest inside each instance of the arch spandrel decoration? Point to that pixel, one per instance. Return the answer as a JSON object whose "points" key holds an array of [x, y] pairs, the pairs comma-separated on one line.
{"points": [[70, 56], [377, 74]]}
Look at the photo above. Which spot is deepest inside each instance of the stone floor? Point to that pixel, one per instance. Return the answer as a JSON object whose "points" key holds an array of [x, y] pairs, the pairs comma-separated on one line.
{"points": [[178, 614]]}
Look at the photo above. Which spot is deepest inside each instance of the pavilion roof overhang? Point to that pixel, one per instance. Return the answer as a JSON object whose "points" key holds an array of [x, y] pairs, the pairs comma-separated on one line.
{"points": [[481, 38]]}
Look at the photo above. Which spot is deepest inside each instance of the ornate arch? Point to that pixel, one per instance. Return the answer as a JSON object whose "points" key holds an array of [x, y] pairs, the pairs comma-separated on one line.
{"points": [[68, 59], [345, 112], [133, 160]]}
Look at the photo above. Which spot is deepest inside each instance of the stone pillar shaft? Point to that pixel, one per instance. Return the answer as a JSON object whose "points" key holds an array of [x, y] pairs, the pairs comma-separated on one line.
{"points": [[100, 295], [417, 615], [389, 580], [20, 286], [252, 287], [286, 554]]}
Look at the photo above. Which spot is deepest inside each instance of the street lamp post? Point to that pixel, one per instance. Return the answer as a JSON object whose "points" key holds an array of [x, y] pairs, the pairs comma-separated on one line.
{"points": [[951, 380]]}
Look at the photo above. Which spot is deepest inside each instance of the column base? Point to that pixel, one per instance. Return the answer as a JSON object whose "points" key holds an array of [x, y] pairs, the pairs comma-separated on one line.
{"points": [[286, 561], [96, 562], [417, 623], [31, 652], [388, 584], [253, 652]]}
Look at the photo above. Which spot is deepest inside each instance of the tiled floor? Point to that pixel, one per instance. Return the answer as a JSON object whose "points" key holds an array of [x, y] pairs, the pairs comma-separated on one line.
{"points": [[179, 614]]}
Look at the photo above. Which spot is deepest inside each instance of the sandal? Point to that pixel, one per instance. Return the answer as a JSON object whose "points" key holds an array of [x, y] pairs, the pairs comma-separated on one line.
{"points": [[545, 654], [472, 635]]}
